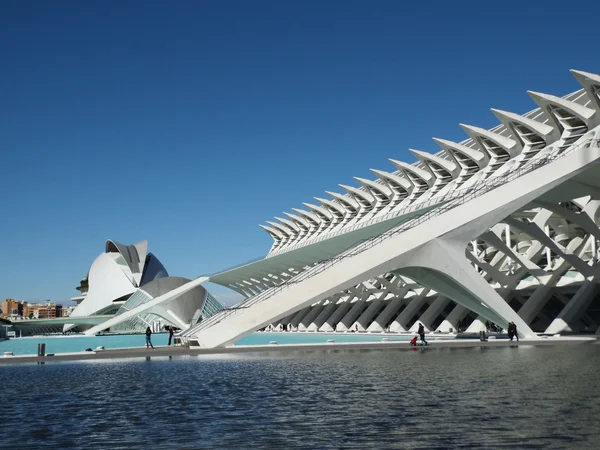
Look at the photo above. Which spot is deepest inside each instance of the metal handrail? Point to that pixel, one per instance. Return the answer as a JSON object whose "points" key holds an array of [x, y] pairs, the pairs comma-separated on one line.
{"points": [[478, 189]]}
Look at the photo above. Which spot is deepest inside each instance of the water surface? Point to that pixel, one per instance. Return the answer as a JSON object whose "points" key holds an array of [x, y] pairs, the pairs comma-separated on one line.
{"points": [[79, 343], [510, 397]]}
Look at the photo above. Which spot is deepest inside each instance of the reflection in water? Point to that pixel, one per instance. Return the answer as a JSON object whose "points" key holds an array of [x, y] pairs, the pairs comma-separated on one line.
{"points": [[525, 397]]}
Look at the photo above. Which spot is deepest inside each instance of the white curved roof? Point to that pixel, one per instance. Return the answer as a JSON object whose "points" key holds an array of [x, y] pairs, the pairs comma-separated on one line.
{"points": [[115, 275]]}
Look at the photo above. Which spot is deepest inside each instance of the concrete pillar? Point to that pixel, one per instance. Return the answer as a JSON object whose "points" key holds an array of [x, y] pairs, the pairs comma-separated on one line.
{"points": [[331, 323], [575, 308], [348, 320], [313, 313], [434, 310], [450, 323], [536, 301], [365, 318], [299, 316], [388, 312], [323, 315], [411, 309]]}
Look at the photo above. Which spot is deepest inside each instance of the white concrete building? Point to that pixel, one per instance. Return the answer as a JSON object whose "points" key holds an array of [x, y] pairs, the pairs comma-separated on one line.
{"points": [[126, 276], [500, 227]]}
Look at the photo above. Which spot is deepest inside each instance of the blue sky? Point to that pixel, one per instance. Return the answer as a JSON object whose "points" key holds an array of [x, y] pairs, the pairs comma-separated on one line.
{"points": [[189, 123]]}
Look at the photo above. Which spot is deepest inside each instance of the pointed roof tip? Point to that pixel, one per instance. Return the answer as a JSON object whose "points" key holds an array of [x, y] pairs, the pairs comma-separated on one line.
{"points": [[580, 74], [537, 95], [471, 129], [282, 220], [501, 113], [445, 143], [419, 152], [465, 126], [497, 111], [275, 225], [583, 111], [292, 217]]}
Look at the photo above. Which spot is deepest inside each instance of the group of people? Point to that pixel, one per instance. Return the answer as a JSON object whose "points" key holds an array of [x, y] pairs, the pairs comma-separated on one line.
{"points": [[492, 327], [149, 337]]}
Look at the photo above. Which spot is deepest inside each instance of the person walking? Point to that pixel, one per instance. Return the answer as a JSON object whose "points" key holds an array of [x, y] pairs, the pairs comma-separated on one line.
{"points": [[512, 331], [421, 333], [514, 327], [149, 338], [170, 334]]}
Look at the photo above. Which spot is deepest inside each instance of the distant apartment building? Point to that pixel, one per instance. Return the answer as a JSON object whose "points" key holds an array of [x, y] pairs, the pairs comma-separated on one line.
{"points": [[12, 308], [15, 309], [43, 311]]}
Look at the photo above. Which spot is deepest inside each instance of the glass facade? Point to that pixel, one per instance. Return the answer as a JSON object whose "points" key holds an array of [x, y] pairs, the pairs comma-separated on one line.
{"points": [[138, 324]]}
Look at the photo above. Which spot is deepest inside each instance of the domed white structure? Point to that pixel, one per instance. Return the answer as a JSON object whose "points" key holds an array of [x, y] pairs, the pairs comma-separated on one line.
{"points": [[126, 275]]}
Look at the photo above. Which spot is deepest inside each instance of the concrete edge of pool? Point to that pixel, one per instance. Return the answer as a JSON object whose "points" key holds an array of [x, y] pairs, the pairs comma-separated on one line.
{"points": [[165, 351]]}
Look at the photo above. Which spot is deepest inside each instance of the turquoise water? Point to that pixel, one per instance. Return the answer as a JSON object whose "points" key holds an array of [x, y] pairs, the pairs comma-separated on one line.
{"points": [[69, 344], [315, 338]]}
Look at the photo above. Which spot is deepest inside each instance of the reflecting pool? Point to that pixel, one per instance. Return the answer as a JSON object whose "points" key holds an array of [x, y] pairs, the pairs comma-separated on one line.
{"points": [[506, 397]]}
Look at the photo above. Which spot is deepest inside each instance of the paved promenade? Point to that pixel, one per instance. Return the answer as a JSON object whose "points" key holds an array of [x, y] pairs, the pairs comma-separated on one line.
{"points": [[174, 351]]}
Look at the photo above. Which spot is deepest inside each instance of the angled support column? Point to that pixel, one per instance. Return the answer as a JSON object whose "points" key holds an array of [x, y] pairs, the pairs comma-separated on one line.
{"points": [[348, 320], [341, 310], [414, 305], [365, 318], [323, 315], [314, 312], [543, 292], [394, 305], [441, 265], [430, 315], [575, 308], [450, 323], [297, 317]]}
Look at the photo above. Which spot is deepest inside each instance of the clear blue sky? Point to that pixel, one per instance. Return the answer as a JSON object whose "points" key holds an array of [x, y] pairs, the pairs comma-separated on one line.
{"points": [[188, 123]]}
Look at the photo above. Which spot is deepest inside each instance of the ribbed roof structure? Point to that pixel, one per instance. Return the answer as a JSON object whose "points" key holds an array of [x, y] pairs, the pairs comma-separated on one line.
{"points": [[458, 165]]}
